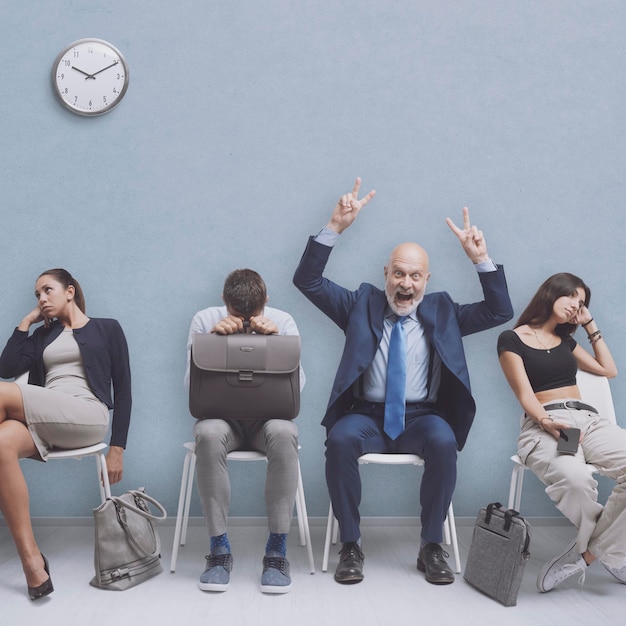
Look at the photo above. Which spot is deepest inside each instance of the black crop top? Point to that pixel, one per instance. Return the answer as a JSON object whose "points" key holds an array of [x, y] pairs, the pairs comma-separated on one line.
{"points": [[546, 369]]}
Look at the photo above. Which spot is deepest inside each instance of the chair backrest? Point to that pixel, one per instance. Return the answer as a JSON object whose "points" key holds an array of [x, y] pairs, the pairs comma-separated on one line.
{"points": [[595, 390]]}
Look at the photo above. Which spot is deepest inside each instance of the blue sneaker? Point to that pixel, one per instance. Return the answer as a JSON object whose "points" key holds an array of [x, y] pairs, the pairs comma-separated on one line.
{"points": [[275, 577], [216, 576]]}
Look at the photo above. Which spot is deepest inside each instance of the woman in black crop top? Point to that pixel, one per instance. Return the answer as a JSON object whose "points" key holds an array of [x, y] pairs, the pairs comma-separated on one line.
{"points": [[540, 359]]}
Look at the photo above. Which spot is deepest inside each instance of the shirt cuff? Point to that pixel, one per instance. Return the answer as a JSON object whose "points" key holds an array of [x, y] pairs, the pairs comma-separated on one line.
{"points": [[486, 266], [327, 237]]}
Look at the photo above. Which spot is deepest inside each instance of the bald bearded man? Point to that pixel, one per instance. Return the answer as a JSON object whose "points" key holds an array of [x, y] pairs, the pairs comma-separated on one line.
{"points": [[432, 385]]}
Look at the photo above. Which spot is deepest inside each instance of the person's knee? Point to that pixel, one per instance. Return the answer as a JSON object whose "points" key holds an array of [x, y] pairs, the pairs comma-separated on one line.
{"points": [[211, 437], [575, 483], [281, 433], [442, 445]]}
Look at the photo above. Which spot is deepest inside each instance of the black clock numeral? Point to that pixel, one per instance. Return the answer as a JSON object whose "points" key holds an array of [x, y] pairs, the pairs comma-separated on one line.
{"points": [[75, 99], [104, 99], [67, 63]]}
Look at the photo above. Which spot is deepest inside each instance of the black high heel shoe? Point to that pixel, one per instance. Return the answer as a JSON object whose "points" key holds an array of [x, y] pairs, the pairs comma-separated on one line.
{"points": [[46, 588]]}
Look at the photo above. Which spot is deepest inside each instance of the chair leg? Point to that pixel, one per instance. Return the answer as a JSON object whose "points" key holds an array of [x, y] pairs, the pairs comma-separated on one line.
{"points": [[330, 536], [515, 490], [103, 477], [450, 525], [299, 517], [182, 499], [303, 521], [191, 473]]}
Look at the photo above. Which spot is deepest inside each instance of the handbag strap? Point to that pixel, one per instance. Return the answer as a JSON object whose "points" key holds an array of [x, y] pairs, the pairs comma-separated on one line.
{"points": [[143, 496], [121, 516]]}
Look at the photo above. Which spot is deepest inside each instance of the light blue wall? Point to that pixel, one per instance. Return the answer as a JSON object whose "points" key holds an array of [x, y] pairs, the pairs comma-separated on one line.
{"points": [[243, 123]]}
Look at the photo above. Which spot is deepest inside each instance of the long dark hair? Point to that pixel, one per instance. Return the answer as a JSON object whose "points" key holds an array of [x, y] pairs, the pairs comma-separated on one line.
{"points": [[66, 279], [540, 307]]}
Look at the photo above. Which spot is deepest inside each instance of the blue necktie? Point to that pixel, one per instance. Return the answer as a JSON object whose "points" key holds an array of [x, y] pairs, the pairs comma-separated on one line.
{"points": [[396, 381]]}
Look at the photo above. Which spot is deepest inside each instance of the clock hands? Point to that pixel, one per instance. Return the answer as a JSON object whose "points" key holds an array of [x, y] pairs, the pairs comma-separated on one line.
{"points": [[104, 68], [85, 73], [93, 76]]}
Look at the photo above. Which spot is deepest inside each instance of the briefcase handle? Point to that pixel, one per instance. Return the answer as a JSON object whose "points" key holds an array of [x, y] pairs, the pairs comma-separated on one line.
{"points": [[508, 515], [508, 520]]}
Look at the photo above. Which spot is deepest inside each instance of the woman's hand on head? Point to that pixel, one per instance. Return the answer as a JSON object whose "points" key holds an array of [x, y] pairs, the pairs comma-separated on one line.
{"points": [[582, 316], [34, 317]]}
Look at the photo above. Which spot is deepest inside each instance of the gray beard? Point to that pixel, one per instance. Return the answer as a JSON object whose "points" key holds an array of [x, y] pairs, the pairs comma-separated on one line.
{"points": [[394, 308]]}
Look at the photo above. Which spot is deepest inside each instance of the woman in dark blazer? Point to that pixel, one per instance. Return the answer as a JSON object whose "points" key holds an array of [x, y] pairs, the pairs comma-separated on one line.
{"points": [[72, 361]]}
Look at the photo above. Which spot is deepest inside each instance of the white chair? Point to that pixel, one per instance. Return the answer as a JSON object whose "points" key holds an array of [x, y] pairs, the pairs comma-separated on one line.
{"points": [[184, 500], [594, 390], [449, 525], [101, 464]]}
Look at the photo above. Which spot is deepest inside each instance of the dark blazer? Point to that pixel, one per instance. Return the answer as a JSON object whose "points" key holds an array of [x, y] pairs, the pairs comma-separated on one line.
{"points": [[360, 314], [104, 351]]}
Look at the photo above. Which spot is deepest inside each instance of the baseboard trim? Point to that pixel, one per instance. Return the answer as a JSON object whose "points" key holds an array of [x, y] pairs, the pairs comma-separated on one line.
{"points": [[313, 521]]}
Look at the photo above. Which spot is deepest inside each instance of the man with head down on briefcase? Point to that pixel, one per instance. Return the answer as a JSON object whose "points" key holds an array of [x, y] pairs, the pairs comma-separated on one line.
{"points": [[245, 310]]}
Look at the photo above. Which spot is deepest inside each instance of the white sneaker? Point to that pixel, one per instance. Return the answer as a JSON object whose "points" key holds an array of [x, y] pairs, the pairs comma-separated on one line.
{"points": [[617, 572], [568, 563]]}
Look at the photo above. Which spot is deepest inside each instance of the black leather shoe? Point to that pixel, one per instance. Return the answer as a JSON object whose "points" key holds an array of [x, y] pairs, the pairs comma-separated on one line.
{"points": [[431, 561], [350, 568]]}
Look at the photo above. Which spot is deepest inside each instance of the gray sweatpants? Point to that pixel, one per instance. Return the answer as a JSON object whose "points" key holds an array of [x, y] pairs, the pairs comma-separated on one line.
{"points": [[278, 439], [570, 482]]}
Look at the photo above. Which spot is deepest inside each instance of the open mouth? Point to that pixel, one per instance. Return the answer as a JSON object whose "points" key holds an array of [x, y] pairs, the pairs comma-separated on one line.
{"points": [[404, 297]]}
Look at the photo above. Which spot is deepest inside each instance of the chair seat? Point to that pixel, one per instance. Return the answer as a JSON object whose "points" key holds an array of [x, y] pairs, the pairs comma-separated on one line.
{"points": [[76, 452], [186, 488], [101, 465]]}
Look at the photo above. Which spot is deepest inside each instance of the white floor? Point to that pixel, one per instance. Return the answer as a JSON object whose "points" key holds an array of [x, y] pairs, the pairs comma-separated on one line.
{"points": [[393, 591]]}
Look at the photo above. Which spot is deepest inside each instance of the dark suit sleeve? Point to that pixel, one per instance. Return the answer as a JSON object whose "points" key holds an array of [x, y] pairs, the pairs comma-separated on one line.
{"points": [[494, 310], [120, 377], [333, 300]]}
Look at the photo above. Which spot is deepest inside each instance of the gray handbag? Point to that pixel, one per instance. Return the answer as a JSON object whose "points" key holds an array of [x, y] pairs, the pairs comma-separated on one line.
{"points": [[498, 554], [127, 548], [244, 376]]}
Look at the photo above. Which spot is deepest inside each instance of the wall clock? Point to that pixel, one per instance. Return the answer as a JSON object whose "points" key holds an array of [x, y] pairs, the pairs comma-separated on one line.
{"points": [[90, 77]]}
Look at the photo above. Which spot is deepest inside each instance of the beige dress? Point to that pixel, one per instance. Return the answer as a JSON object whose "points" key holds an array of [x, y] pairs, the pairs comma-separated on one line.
{"points": [[65, 413]]}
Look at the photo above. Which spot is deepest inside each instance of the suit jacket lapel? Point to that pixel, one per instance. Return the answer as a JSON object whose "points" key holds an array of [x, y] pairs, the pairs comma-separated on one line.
{"points": [[377, 304]]}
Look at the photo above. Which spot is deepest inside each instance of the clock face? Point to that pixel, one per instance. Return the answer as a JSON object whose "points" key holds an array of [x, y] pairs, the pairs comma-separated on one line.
{"points": [[90, 77]]}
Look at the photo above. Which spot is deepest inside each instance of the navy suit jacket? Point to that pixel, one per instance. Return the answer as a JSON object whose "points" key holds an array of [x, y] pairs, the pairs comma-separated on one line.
{"points": [[360, 314]]}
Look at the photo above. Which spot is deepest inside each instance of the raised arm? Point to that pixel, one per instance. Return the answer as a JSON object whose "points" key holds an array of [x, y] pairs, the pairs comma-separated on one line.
{"points": [[601, 362], [472, 239], [348, 207]]}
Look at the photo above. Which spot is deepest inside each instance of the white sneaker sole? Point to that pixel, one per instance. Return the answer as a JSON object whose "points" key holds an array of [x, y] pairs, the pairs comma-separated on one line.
{"points": [[275, 588], [213, 586], [546, 568]]}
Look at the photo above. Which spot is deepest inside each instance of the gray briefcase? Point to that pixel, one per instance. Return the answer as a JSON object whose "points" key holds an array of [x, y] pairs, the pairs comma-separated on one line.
{"points": [[498, 554], [244, 376]]}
